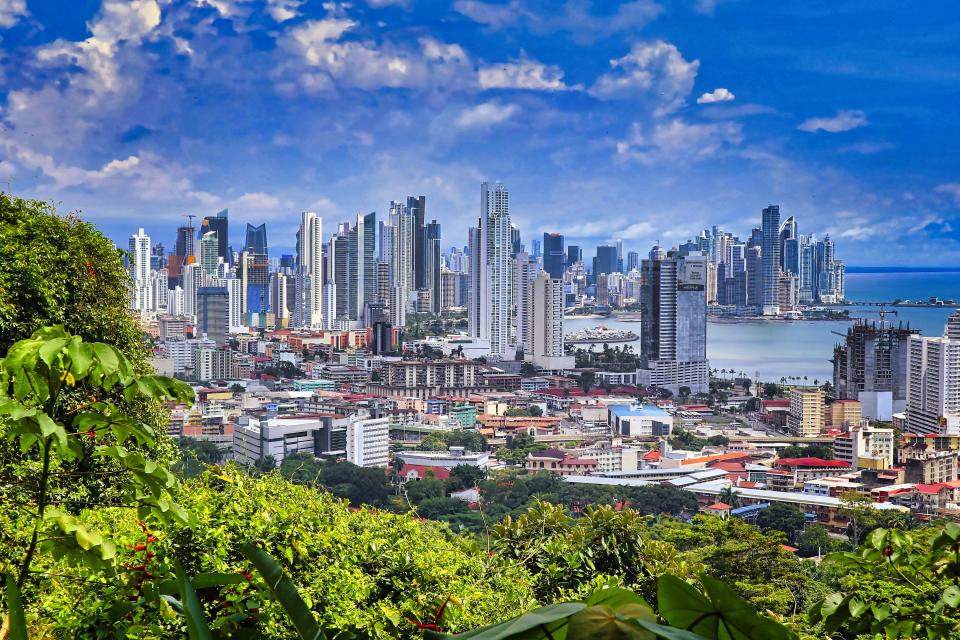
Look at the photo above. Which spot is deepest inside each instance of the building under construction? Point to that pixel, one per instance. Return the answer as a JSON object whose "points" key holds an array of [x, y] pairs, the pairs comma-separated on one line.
{"points": [[871, 366]]}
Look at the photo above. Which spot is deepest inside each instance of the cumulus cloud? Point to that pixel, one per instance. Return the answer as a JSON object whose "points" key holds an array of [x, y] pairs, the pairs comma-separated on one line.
{"points": [[845, 120], [486, 114], [678, 142], [576, 17], [321, 61], [951, 189], [656, 70], [11, 11], [522, 74], [720, 94]]}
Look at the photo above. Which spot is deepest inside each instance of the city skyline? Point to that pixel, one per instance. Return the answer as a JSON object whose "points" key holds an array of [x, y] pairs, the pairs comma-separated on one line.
{"points": [[605, 120]]}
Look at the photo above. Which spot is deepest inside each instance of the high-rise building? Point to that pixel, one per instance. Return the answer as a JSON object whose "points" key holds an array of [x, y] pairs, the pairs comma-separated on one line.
{"points": [[574, 254], [192, 277], [544, 340], [279, 289], [673, 304], [213, 311], [368, 442], [525, 271], [432, 263], [807, 248], [805, 418], [633, 261], [491, 284], [256, 239], [234, 302], [417, 210], [871, 366], [363, 264], [160, 290], [553, 254], [208, 254], [789, 258], [605, 261], [255, 274], [770, 259], [338, 278], [308, 289], [933, 381], [218, 224], [158, 257], [141, 294], [536, 250], [402, 262]]}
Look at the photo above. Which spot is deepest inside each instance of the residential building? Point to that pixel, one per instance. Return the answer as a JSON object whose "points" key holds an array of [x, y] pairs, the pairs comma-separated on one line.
{"points": [[842, 414], [806, 412], [933, 381], [871, 366], [368, 442], [673, 347], [770, 260], [545, 347], [865, 447], [213, 313], [553, 254], [141, 293], [491, 283], [212, 364], [308, 303], [560, 462]]}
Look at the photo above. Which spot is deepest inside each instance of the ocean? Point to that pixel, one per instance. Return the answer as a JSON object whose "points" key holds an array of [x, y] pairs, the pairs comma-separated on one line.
{"points": [[765, 350]]}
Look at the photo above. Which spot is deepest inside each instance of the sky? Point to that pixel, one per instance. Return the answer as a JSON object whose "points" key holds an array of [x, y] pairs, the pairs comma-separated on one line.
{"points": [[645, 120]]}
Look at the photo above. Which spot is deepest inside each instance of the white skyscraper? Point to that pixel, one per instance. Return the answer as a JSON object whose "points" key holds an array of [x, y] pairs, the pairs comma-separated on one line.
{"points": [[491, 284], [209, 259], [308, 310], [159, 282], [525, 271], [141, 298], [234, 303], [402, 259], [933, 381], [192, 280], [544, 344]]}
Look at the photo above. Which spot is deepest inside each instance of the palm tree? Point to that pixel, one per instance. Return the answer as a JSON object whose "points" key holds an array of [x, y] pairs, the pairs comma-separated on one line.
{"points": [[728, 495]]}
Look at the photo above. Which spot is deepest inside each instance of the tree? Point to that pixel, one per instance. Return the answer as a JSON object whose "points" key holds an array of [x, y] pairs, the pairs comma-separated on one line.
{"points": [[587, 379], [535, 411], [302, 468], [359, 485], [465, 476], [265, 464], [815, 540], [425, 489], [61, 433], [528, 369], [516, 412], [772, 390], [195, 455], [782, 517], [728, 495], [684, 393], [237, 388], [437, 508]]}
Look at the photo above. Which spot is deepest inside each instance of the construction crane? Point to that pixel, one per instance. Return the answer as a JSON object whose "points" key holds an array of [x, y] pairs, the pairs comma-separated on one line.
{"points": [[189, 218], [883, 313]]}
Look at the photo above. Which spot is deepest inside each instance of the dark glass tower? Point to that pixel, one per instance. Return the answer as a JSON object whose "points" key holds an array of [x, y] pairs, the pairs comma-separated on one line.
{"points": [[553, 254], [218, 224], [417, 208], [574, 254], [432, 282]]}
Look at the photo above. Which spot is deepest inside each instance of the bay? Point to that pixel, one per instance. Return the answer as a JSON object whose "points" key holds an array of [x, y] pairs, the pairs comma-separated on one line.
{"points": [[768, 350]]}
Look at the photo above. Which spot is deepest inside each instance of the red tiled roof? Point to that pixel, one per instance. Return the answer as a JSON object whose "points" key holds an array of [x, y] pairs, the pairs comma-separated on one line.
{"points": [[652, 456], [424, 471], [720, 506], [811, 462], [735, 467], [932, 488]]}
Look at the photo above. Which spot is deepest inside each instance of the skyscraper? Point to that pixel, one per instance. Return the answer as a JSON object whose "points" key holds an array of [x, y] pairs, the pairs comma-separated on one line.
{"points": [[770, 259], [544, 341], [218, 224], [417, 210], [933, 381], [525, 271], [256, 239], [633, 260], [553, 255], [432, 264], [208, 254], [255, 275], [574, 254], [308, 305], [491, 286], [605, 261], [403, 269], [363, 259], [141, 294], [213, 313], [673, 303]]}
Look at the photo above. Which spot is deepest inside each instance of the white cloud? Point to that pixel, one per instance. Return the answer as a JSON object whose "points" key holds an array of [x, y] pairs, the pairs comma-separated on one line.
{"points": [[486, 114], [720, 94], [845, 120], [706, 7], [11, 11], [951, 189], [576, 16], [522, 74], [867, 148], [653, 69], [320, 61], [492, 15], [283, 10], [678, 142]]}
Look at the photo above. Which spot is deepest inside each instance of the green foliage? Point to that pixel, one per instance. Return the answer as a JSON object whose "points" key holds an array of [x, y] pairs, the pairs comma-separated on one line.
{"points": [[772, 390], [469, 439], [683, 439], [808, 451], [465, 476], [56, 429], [784, 518], [358, 485], [425, 489], [897, 585], [195, 456]]}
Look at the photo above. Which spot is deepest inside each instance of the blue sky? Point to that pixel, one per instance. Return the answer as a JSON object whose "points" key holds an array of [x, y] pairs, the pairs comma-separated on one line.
{"points": [[643, 120]]}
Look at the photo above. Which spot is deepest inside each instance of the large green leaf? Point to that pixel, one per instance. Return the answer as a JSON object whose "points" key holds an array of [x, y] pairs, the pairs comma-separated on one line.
{"points": [[553, 617], [197, 628], [284, 591], [603, 623], [668, 633], [719, 615], [16, 619], [614, 597]]}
